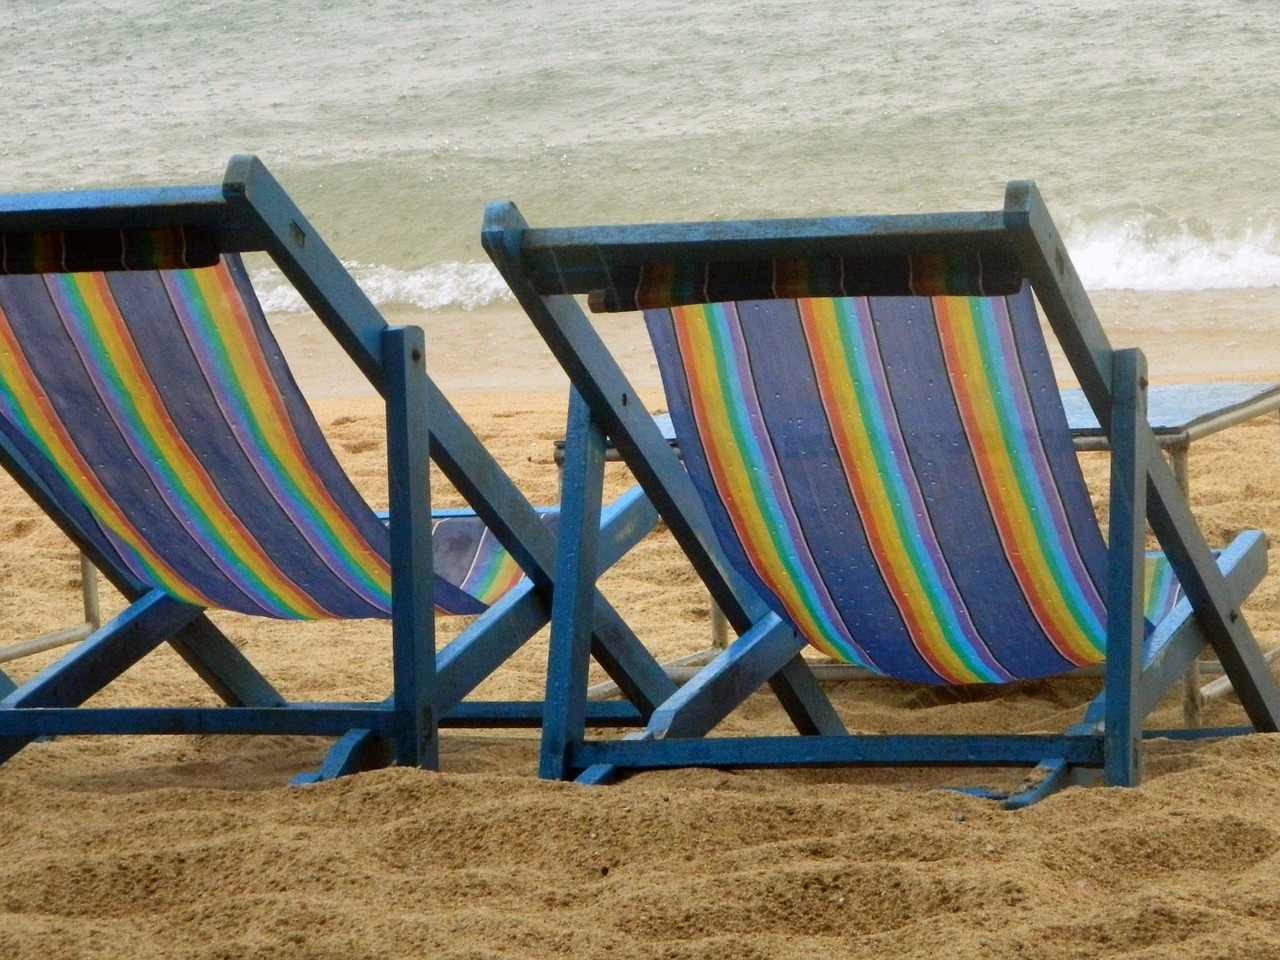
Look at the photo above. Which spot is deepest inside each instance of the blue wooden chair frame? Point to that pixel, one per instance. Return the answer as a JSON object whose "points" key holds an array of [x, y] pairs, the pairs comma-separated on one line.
{"points": [[250, 211], [546, 268]]}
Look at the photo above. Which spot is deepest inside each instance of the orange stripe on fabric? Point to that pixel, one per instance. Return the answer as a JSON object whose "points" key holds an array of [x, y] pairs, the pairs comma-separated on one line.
{"points": [[846, 415], [707, 393], [59, 446], [269, 407], [1010, 510], [181, 459]]}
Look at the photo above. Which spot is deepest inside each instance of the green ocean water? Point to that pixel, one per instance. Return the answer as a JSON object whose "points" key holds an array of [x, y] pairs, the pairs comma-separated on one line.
{"points": [[1152, 127]]}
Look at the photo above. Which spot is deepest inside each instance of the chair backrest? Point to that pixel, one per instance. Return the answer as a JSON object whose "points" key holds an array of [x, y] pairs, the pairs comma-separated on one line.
{"points": [[157, 407], [895, 475]]}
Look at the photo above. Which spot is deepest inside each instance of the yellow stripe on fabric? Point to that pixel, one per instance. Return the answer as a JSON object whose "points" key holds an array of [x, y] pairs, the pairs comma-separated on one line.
{"points": [[977, 385], [221, 522], [1160, 587], [711, 391], [47, 429], [848, 415], [226, 311]]}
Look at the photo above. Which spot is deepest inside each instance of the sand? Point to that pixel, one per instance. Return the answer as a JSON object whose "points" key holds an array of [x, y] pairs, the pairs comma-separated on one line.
{"points": [[196, 848]]}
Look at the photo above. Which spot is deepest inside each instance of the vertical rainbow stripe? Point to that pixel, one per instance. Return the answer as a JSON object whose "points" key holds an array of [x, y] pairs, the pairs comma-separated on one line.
{"points": [[1161, 589], [25, 404], [492, 571], [855, 395], [105, 345], [213, 314], [749, 479], [889, 470], [982, 364], [259, 573]]}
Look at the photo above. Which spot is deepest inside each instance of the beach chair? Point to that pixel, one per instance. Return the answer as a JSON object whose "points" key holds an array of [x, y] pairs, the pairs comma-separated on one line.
{"points": [[145, 406], [879, 464]]}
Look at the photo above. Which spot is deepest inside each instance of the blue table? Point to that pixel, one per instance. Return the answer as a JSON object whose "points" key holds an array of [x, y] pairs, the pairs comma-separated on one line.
{"points": [[1179, 414]]}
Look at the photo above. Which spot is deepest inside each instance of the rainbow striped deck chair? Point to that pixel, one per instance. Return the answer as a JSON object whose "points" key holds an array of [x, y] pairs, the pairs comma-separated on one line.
{"points": [[145, 405], [877, 463]]}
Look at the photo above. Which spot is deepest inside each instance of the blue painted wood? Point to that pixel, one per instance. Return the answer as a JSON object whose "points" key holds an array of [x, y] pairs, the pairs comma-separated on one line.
{"points": [[1048, 777], [413, 644], [718, 688], [105, 654], [1130, 451], [541, 266], [594, 372], [1060, 293], [569, 656], [360, 750], [603, 774], [626, 660], [502, 629], [490, 639], [471, 469], [1178, 639], [202, 645], [255, 199], [7, 686], [805, 702], [220, 664], [530, 713], [1225, 626], [1084, 343], [354, 752], [577, 259], [509, 623], [98, 659], [313, 719], [1173, 408], [249, 211], [941, 750], [139, 208], [611, 398]]}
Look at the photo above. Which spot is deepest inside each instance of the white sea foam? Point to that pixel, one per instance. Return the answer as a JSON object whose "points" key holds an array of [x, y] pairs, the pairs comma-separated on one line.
{"points": [[439, 286], [1147, 251]]}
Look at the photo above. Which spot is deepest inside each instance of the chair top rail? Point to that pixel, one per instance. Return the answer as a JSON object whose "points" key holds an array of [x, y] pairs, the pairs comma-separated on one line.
{"points": [[577, 259], [248, 212], [136, 208]]}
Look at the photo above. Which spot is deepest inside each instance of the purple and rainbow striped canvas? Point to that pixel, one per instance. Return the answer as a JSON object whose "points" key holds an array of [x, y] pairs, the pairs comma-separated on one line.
{"points": [[158, 410], [897, 477]]}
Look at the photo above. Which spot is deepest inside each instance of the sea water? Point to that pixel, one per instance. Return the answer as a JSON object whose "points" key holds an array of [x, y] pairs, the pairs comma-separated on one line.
{"points": [[1152, 127]]}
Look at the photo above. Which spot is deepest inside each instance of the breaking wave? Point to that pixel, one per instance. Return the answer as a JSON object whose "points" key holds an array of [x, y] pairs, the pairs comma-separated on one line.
{"points": [[1152, 251], [450, 285]]}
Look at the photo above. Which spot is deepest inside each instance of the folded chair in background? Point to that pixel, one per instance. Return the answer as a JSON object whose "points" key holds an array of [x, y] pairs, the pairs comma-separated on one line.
{"points": [[879, 464], [146, 407]]}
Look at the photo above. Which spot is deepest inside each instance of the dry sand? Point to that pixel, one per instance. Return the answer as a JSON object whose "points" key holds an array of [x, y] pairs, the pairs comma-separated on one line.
{"points": [[195, 848]]}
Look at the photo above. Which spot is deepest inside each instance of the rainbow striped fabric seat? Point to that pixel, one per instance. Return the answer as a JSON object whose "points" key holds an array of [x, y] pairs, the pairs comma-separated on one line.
{"points": [[157, 408], [896, 477]]}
